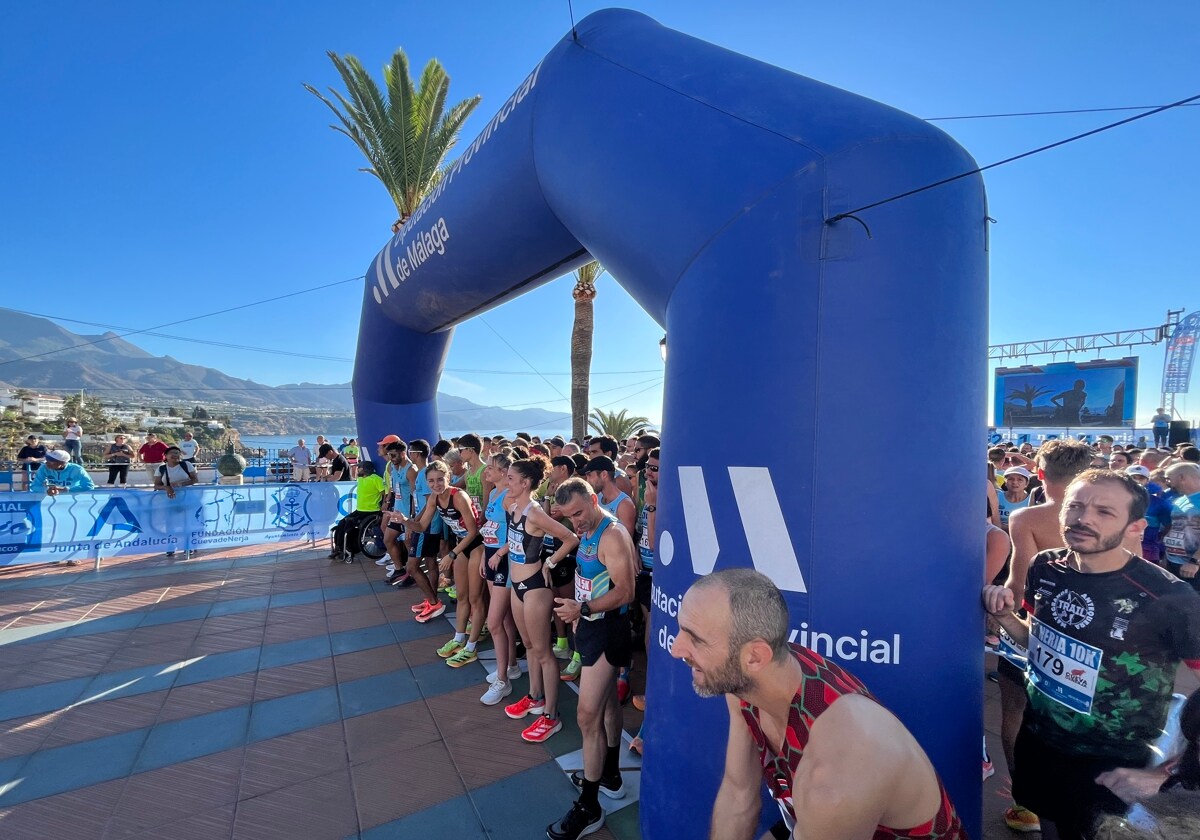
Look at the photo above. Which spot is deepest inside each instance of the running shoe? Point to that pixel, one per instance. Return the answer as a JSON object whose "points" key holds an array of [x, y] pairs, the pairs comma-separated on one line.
{"points": [[484, 632], [514, 673], [636, 745], [525, 706], [541, 729], [450, 648], [571, 672], [623, 689], [382, 561], [420, 606], [403, 581], [390, 568], [563, 652], [463, 657], [1022, 820], [431, 611], [989, 769], [451, 593], [496, 692], [612, 788], [579, 822], [639, 702]]}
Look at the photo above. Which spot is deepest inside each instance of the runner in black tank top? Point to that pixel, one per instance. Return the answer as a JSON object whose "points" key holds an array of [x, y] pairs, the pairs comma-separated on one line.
{"points": [[527, 526]]}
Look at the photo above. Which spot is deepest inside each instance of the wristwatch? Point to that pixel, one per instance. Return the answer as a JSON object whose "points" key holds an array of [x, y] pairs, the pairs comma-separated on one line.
{"points": [[585, 609]]}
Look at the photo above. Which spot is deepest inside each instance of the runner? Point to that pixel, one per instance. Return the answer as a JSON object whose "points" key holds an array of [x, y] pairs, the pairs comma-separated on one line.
{"points": [[600, 472], [1033, 529], [603, 590], [424, 547], [527, 525], [495, 570], [562, 577], [1014, 497], [645, 576], [400, 476], [458, 512], [847, 767], [1106, 633]]}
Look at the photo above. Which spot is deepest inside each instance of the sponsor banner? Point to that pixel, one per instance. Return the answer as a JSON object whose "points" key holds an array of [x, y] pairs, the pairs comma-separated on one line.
{"points": [[105, 523], [1181, 353]]}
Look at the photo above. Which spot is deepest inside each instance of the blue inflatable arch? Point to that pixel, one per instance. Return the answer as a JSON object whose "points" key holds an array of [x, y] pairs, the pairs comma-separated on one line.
{"points": [[706, 183]]}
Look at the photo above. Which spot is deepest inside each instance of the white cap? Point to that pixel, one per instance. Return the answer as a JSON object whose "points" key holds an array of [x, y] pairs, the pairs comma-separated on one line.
{"points": [[60, 455], [1017, 471], [1137, 469]]}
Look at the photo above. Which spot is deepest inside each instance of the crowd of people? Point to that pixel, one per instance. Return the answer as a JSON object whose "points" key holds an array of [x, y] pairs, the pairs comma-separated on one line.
{"points": [[548, 546], [1091, 590]]}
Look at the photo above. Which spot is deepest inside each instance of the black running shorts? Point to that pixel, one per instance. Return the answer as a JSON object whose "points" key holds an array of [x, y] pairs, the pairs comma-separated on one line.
{"points": [[609, 636], [564, 573], [535, 581], [499, 575]]}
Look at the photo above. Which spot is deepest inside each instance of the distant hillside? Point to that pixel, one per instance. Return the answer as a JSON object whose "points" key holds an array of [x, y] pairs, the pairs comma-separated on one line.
{"points": [[115, 364]]}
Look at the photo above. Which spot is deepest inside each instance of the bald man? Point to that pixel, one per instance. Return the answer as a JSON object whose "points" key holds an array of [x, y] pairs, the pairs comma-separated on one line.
{"points": [[840, 769]]}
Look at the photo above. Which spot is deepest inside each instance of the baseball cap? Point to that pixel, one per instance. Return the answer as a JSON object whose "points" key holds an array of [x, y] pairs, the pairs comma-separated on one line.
{"points": [[1017, 471], [60, 455], [1137, 469], [557, 440], [389, 439], [601, 463]]}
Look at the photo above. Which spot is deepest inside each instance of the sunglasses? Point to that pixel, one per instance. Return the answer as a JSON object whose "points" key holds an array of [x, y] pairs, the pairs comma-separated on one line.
{"points": [[651, 468]]}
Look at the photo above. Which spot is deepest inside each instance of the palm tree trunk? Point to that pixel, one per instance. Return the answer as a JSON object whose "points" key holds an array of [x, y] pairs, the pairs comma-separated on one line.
{"points": [[581, 361]]}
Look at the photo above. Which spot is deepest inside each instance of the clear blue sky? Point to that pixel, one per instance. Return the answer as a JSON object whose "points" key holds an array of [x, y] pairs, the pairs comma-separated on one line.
{"points": [[160, 161]]}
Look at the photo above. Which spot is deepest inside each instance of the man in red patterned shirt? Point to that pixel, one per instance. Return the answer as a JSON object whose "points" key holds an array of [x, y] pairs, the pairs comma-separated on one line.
{"points": [[862, 772]]}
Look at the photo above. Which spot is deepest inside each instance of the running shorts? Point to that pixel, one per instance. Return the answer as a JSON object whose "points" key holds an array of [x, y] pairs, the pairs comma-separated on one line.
{"points": [[499, 575], [608, 636], [564, 573], [534, 581]]}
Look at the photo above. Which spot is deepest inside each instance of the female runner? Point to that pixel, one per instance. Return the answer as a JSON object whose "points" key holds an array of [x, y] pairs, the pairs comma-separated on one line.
{"points": [[530, 576]]}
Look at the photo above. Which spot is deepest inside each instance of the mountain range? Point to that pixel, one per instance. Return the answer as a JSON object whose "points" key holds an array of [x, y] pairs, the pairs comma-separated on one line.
{"points": [[39, 355]]}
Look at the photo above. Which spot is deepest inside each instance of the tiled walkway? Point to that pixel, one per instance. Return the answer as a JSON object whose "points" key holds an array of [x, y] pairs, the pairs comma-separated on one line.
{"points": [[272, 695], [264, 696]]}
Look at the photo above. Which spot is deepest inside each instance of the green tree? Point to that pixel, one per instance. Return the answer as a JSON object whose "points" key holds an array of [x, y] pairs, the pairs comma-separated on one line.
{"points": [[87, 411], [199, 413], [584, 294], [405, 133], [172, 412], [22, 396], [615, 423]]}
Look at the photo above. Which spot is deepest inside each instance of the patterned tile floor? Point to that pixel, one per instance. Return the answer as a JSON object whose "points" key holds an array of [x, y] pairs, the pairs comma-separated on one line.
{"points": [[250, 695]]}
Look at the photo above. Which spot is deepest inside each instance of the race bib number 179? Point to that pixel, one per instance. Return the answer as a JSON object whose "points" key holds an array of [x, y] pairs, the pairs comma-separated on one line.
{"points": [[1062, 668]]}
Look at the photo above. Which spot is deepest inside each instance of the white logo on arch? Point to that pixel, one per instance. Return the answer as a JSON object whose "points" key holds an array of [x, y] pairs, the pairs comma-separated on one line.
{"points": [[767, 536]]}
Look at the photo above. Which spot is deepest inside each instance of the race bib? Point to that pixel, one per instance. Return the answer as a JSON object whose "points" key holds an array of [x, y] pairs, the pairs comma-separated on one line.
{"points": [[1062, 668], [489, 531], [585, 589]]}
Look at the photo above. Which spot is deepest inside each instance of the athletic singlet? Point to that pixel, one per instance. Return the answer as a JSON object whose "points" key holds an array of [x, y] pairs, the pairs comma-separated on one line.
{"points": [[495, 524], [780, 770], [1007, 507], [402, 487], [452, 516], [522, 547], [644, 549], [474, 486], [591, 576], [420, 498], [612, 506]]}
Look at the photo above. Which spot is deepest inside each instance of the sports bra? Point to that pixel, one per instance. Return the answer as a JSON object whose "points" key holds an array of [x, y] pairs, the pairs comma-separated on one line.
{"points": [[523, 547]]}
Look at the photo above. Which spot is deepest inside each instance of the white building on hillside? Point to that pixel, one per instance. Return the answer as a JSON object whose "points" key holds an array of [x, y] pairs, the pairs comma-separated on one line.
{"points": [[42, 407]]}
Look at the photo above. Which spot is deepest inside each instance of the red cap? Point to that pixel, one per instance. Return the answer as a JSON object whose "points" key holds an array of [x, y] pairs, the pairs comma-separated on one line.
{"points": [[389, 439]]}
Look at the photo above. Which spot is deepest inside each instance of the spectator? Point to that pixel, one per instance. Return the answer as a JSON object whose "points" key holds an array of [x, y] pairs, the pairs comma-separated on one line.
{"points": [[72, 438], [368, 500], [301, 457], [118, 457], [31, 456], [351, 451], [336, 468], [152, 453], [173, 473], [59, 475], [1160, 423], [188, 447]]}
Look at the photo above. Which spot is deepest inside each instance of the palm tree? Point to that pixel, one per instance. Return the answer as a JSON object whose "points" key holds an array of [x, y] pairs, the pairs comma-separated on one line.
{"points": [[1028, 394], [615, 423], [406, 134], [581, 344]]}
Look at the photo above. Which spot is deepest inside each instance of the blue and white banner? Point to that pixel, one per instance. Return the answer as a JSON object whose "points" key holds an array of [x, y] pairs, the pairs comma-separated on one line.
{"points": [[1181, 353], [106, 523]]}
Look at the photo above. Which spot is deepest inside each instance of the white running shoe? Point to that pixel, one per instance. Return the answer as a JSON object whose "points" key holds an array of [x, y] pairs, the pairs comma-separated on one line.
{"points": [[389, 568], [496, 692], [514, 673], [381, 561]]}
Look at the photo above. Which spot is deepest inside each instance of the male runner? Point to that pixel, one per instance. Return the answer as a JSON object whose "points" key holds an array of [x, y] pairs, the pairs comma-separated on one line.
{"points": [[603, 590], [645, 532], [1182, 541], [1106, 633], [400, 475], [607, 445], [601, 474], [1033, 529], [847, 769]]}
